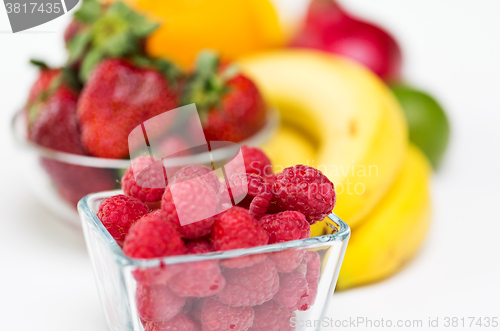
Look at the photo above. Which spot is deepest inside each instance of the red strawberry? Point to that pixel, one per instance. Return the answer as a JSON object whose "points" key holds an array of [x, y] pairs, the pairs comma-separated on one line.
{"points": [[52, 123], [225, 99], [118, 97], [51, 112], [45, 78]]}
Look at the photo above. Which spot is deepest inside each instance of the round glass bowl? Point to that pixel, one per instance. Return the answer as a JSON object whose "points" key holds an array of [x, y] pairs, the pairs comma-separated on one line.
{"points": [[149, 294], [61, 179]]}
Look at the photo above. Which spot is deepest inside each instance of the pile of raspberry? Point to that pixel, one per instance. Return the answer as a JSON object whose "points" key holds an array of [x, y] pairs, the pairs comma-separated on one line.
{"points": [[258, 292]]}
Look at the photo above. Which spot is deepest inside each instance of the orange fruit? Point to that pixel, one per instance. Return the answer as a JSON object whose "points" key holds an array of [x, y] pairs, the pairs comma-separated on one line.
{"points": [[231, 27]]}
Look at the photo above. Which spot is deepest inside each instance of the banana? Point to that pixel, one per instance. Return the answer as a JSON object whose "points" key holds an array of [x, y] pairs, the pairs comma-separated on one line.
{"points": [[287, 139], [394, 230], [356, 124]]}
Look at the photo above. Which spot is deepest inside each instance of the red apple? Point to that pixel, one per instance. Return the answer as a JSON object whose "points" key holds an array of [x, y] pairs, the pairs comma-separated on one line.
{"points": [[330, 28]]}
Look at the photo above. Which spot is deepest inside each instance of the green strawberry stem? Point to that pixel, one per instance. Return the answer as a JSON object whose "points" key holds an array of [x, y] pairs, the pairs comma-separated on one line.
{"points": [[208, 84], [39, 63], [168, 69], [108, 31]]}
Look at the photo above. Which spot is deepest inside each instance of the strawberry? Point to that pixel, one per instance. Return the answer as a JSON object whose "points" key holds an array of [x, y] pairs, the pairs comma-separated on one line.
{"points": [[51, 111], [119, 96], [52, 123], [46, 76], [230, 105]]}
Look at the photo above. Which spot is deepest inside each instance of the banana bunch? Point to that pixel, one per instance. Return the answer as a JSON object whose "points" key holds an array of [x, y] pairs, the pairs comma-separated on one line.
{"points": [[341, 119]]}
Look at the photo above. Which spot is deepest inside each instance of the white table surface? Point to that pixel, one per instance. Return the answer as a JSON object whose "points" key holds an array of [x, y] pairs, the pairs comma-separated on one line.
{"points": [[451, 49]]}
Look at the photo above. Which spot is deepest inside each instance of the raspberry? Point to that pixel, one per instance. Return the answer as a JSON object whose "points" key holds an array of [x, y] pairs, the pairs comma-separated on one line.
{"points": [[173, 146], [271, 316], [255, 161], [299, 288], [313, 273], [179, 323], [236, 228], [294, 289], [197, 171], [156, 275], [152, 237], [305, 189], [271, 179], [193, 230], [157, 303], [216, 316], [255, 193], [287, 260], [118, 213], [145, 179], [198, 246], [250, 286], [193, 199], [274, 208], [198, 279], [285, 226]]}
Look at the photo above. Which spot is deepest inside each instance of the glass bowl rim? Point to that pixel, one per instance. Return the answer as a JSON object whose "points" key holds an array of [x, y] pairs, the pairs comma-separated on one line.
{"points": [[18, 131], [88, 216]]}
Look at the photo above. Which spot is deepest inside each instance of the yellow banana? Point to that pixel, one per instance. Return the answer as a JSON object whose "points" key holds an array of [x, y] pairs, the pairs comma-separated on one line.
{"points": [[394, 230], [288, 147], [355, 122]]}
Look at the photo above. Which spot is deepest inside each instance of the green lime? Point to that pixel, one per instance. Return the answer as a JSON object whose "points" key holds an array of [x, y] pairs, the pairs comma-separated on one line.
{"points": [[427, 121]]}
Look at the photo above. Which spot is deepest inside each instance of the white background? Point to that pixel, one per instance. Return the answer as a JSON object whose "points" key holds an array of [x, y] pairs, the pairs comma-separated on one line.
{"points": [[451, 48]]}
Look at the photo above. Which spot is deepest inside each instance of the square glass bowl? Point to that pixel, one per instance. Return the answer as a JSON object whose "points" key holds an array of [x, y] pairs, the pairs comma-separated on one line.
{"points": [[289, 283]]}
